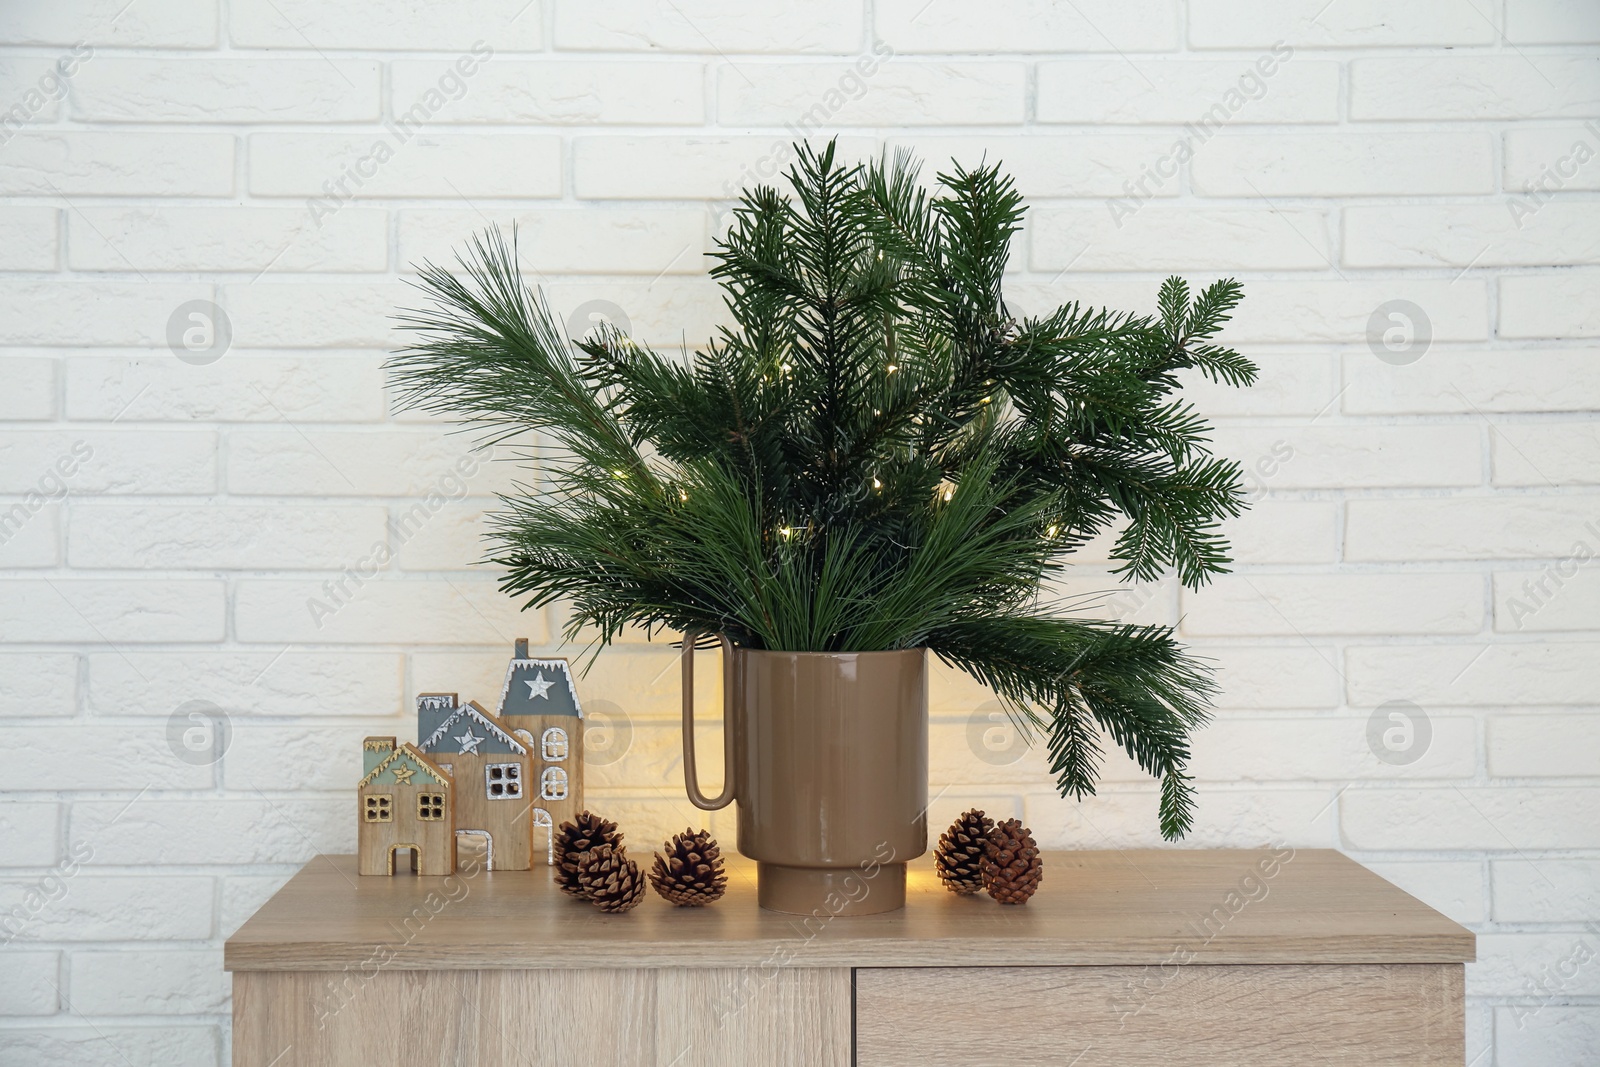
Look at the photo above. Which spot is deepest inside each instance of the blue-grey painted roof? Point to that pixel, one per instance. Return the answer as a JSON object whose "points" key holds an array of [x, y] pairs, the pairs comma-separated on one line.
{"points": [[539, 687], [471, 729]]}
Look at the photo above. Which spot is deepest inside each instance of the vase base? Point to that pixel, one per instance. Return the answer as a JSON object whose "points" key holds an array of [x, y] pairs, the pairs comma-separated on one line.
{"points": [[829, 891]]}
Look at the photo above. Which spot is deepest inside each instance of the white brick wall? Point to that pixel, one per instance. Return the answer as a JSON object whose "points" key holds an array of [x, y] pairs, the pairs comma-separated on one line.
{"points": [[1424, 532]]}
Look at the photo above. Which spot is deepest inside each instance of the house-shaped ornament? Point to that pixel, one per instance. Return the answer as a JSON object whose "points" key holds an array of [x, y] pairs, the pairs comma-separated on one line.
{"points": [[492, 771], [405, 801], [539, 705]]}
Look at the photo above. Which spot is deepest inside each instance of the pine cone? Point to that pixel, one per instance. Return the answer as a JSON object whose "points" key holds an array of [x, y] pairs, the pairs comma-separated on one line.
{"points": [[959, 856], [576, 837], [690, 874], [609, 879], [1011, 866]]}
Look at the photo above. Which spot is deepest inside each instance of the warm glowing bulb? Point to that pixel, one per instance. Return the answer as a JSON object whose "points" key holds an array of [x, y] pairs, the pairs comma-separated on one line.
{"points": [[893, 367], [682, 495], [1054, 530], [785, 531], [876, 484]]}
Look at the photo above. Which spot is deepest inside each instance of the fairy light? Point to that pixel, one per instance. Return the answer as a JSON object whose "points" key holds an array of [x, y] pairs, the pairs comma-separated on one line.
{"points": [[1053, 531], [785, 531], [893, 367], [683, 496], [876, 484]]}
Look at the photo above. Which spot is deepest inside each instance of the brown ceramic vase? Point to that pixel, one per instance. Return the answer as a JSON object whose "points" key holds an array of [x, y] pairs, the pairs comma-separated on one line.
{"points": [[827, 756]]}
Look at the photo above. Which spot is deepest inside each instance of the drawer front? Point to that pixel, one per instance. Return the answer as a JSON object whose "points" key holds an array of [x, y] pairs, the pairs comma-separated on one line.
{"points": [[1371, 1015]]}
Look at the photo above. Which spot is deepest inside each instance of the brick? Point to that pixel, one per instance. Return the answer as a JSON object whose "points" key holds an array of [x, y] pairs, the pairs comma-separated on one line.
{"points": [[651, 759], [688, 168], [1543, 746], [1546, 453], [266, 387], [664, 313], [1324, 749], [638, 681], [103, 611], [1348, 24], [1545, 890], [100, 460], [717, 26], [30, 532], [1166, 237], [1551, 159], [230, 238], [214, 537], [31, 832], [1344, 164], [1231, 819], [1474, 87], [451, 539], [1550, 1035], [381, 611], [1335, 456], [38, 684], [1107, 597], [556, 92], [1564, 22], [1048, 166], [1300, 384], [398, 163], [126, 313], [1518, 527], [30, 983], [1295, 604], [274, 682], [89, 907], [1535, 965], [28, 238], [269, 314], [1454, 887], [101, 757], [1452, 382], [872, 91], [1561, 304], [1311, 309], [315, 462], [301, 757], [30, 393], [207, 830], [243, 895], [1469, 817], [1033, 26], [453, 25], [649, 241], [1285, 531], [128, 89], [1205, 95], [1469, 235], [182, 982], [1474, 674], [32, 88], [110, 23], [93, 163], [1268, 678], [1565, 595], [97, 1045]]}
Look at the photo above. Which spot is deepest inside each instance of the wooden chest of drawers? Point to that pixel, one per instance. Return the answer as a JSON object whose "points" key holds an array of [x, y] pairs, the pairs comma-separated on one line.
{"points": [[1161, 957]]}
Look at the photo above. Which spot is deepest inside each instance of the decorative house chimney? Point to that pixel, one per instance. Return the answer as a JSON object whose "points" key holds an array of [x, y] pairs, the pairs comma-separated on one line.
{"points": [[522, 648], [374, 750]]}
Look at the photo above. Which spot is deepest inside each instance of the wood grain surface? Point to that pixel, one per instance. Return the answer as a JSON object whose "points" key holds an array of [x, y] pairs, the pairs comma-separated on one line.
{"points": [[661, 1017], [1131, 908], [1361, 1015]]}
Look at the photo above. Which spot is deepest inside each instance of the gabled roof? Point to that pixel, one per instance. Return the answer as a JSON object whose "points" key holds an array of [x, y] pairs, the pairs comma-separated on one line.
{"points": [[470, 729], [409, 755], [539, 687]]}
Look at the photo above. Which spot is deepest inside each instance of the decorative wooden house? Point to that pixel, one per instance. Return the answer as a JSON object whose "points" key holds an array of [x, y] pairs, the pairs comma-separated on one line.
{"points": [[405, 802], [492, 771], [539, 704]]}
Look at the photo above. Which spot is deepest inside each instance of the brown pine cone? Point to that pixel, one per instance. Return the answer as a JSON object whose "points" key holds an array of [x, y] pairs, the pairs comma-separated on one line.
{"points": [[610, 880], [573, 839], [690, 874], [959, 855], [1011, 865]]}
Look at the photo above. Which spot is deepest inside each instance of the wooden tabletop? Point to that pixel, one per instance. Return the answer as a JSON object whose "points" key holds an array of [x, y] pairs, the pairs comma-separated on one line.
{"points": [[1094, 908]]}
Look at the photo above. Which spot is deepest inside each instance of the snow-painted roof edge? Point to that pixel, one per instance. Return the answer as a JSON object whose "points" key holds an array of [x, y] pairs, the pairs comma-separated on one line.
{"points": [[556, 664], [472, 710]]}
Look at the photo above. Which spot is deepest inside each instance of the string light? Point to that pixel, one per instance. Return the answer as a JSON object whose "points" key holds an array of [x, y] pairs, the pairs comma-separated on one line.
{"points": [[1053, 531], [876, 484], [893, 367], [785, 531]]}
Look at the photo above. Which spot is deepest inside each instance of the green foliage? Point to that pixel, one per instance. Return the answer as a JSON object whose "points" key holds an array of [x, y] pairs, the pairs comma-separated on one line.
{"points": [[877, 455]]}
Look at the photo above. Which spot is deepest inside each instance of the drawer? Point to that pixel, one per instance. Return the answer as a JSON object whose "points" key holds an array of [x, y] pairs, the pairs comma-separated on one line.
{"points": [[1364, 1015]]}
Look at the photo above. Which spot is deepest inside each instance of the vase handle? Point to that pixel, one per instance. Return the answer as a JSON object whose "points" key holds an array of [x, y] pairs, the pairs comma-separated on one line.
{"points": [[691, 777]]}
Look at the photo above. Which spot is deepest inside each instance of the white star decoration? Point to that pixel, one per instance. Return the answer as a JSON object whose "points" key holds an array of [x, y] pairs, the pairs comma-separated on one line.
{"points": [[538, 687], [469, 741]]}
